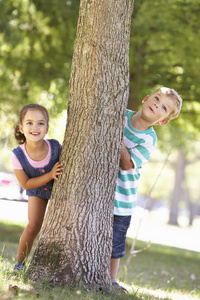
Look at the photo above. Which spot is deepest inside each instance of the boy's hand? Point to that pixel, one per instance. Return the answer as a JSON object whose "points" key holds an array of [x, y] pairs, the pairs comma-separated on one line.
{"points": [[125, 159], [56, 170]]}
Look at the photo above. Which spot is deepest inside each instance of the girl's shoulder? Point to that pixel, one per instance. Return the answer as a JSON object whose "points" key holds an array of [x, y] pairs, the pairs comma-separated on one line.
{"points": [[53, 143], [19, 148], [55, 148], [14, 157]]}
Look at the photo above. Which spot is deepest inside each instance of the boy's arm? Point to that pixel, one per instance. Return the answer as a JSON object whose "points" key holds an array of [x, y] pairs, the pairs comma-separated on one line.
{"points": [[32, 183], [125, 160]]}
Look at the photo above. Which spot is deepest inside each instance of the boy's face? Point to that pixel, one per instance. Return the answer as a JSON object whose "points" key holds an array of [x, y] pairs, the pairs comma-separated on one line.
{"points": [[156, 108]]}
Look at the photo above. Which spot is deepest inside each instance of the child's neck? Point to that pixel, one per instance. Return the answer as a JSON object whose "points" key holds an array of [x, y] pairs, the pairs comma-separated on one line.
{"points": [[37, 151], [35, 145], [139, 123]]}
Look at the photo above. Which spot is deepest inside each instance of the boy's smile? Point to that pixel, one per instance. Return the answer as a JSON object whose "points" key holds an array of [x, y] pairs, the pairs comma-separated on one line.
{"points": [[156, 108]]}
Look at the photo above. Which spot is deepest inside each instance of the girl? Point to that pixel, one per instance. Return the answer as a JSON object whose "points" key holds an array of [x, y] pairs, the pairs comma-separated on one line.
{"points": [[36, 164]]}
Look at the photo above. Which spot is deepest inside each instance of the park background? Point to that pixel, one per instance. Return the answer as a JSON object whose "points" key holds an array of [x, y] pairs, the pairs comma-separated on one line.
{"points": [[35, 59]]}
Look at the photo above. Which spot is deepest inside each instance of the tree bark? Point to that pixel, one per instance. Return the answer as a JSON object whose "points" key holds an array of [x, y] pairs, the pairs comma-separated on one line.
{"points": [[76, 239]]}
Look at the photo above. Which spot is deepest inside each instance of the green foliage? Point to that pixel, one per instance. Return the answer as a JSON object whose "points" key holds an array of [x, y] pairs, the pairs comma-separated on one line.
{"points": [[36, 47], [37, 44], [161, 51], [35, 56], [164, 51]]}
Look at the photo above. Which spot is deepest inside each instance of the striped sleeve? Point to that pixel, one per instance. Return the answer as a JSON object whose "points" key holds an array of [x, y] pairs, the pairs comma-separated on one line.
{"points": [[141, 154]]}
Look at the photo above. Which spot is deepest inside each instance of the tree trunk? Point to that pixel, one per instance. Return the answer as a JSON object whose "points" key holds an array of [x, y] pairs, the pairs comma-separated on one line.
{"points": [[192, 207], [192, 212], [76, 239], [178, 188]]}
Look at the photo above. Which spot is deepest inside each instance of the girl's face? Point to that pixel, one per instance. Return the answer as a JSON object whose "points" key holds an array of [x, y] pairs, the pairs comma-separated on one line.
{"points": [[34, 125]]}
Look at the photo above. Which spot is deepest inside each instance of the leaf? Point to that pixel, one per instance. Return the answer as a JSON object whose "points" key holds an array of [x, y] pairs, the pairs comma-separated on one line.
{"points": [[14, 289], [36, 294]]}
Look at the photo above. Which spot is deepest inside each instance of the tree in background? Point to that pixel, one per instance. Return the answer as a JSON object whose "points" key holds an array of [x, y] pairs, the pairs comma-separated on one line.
{"points": [[164, 52], [164, 48], [35, 57], [37, 45], [76, 240]]}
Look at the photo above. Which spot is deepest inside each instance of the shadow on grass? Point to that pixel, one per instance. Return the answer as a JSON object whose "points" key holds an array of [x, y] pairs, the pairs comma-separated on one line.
{"points": [[11, 232], [162, 267]]}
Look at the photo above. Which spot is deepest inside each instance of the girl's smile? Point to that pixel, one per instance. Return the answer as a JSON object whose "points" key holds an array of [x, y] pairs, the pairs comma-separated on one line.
{"points": [[34, 125]]}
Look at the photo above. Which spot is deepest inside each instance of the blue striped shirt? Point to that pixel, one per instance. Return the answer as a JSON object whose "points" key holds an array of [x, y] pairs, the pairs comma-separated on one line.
{"points": [[140, 145]]}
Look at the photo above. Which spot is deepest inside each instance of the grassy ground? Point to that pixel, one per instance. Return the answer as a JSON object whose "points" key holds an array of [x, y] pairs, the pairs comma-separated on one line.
{"points": [[160, 272]]}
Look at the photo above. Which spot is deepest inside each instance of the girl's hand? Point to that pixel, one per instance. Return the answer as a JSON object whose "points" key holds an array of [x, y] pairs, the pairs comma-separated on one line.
{"points": [[57, 170]]}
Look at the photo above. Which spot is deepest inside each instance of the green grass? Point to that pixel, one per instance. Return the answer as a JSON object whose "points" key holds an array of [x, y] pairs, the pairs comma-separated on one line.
{"points": [[166, 268], [161, 272], [10, 233]]}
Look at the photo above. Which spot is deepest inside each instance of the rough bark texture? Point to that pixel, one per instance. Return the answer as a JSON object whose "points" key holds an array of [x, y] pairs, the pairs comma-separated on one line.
{"points": [[75, 243]]}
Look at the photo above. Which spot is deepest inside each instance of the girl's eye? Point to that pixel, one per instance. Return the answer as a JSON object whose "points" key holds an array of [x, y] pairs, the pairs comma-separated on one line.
{"points": [[164, 107], [41, 124], [156, 98]]}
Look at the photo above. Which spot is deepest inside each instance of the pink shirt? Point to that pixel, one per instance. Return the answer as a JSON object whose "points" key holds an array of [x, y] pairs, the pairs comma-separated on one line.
{"points": [[36, 164]]}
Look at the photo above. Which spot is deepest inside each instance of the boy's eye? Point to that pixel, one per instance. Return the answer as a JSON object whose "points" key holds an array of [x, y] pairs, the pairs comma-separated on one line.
{"points": [[156, 98], [41, 123], [164, 107]]}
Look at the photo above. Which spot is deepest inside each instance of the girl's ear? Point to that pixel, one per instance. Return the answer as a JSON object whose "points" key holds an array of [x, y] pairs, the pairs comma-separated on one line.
{"points": [[21, 128]]}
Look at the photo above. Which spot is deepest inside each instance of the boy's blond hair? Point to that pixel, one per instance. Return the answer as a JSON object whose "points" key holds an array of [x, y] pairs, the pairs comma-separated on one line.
{"points": [[175, 97]]}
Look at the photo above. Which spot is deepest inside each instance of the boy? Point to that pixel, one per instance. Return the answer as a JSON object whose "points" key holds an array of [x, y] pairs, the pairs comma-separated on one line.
{"points": [[138, 143]]}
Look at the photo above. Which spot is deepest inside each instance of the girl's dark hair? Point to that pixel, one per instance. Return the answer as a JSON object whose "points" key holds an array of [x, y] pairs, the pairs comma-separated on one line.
{"points": [[20, 137]]}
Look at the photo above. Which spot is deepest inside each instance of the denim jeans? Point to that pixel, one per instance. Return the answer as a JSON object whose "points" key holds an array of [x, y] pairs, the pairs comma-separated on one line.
{"points": [[120, 227]]}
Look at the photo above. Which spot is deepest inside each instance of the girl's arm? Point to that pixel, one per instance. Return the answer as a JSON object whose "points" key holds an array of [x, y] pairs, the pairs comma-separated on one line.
{"points": [[125, 160], [32, 183]]}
